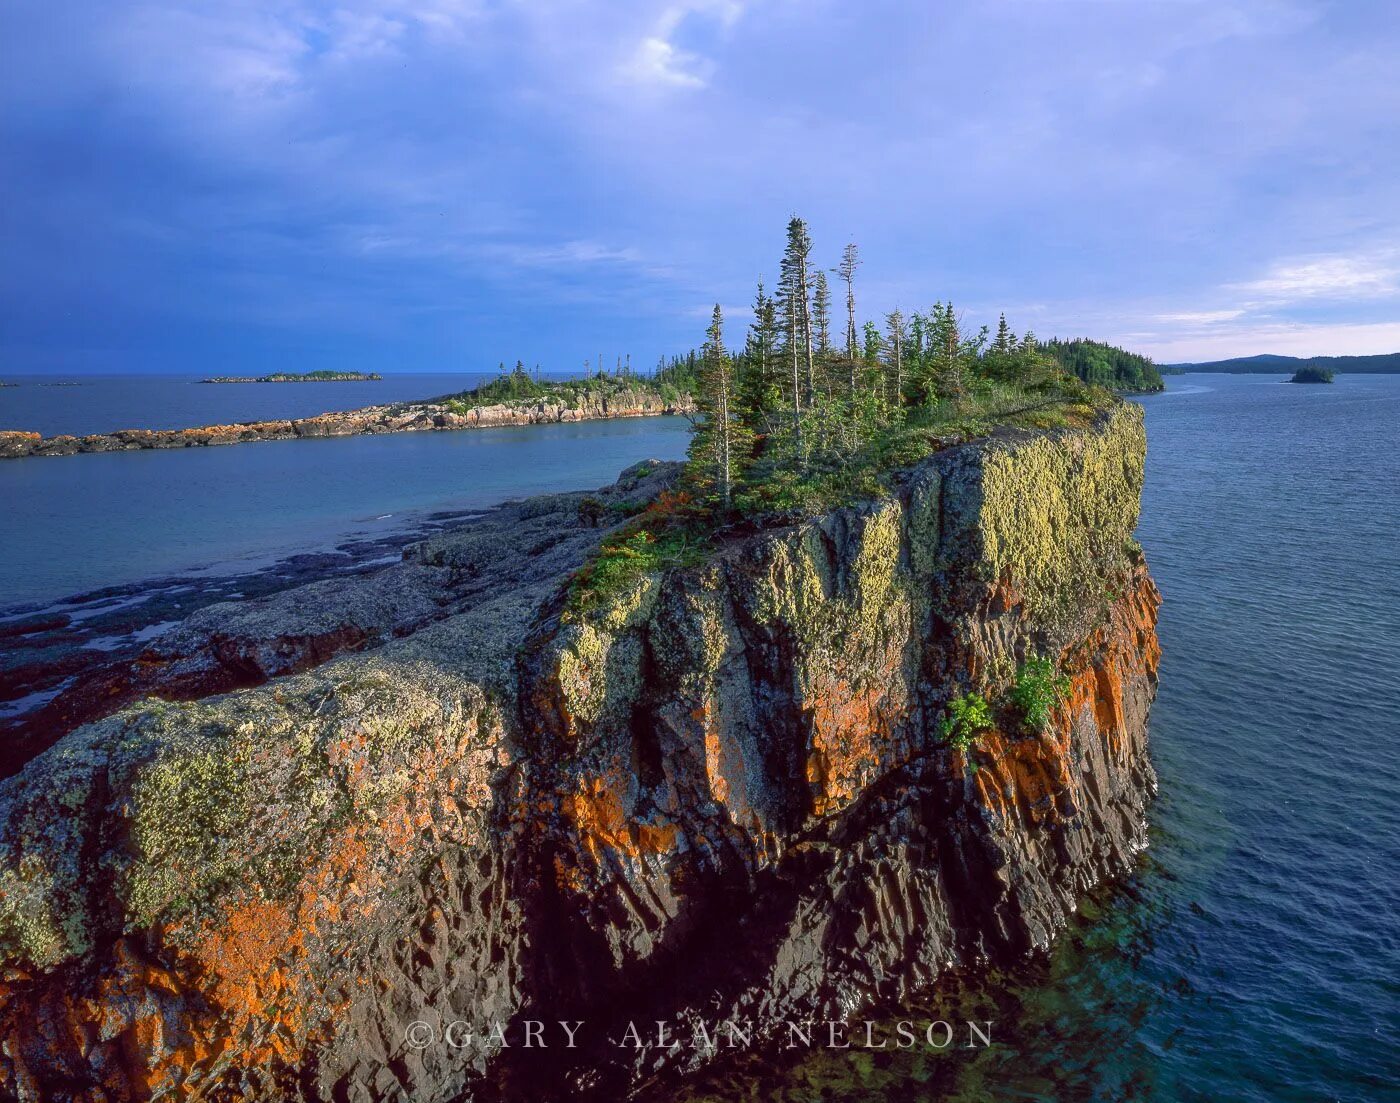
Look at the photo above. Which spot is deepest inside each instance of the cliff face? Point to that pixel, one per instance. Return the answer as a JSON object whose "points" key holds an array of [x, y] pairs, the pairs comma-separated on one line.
{"points": [[400, 418], [721, 796]]}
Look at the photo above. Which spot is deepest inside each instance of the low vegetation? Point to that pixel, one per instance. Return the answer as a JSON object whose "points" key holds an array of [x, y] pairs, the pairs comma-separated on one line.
{"points": [[968, 716], [815, 410], [672, 383], [1039, 688]]}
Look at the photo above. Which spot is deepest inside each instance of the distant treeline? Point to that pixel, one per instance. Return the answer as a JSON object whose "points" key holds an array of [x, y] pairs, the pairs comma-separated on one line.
{"points": [[1106, 365], [1269, 364]]}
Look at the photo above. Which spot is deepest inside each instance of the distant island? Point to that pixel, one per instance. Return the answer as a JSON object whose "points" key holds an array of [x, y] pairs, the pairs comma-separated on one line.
{"points": [[299, 377], [1106, 365], [1269, 364], [513, 399], [1311, 373]]}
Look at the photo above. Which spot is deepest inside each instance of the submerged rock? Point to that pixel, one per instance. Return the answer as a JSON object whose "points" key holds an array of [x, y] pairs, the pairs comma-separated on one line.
{"points": [[723, 795]]}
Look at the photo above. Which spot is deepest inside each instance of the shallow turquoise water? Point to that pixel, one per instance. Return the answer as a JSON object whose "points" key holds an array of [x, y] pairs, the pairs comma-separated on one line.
{"points": [[1255, 958]]}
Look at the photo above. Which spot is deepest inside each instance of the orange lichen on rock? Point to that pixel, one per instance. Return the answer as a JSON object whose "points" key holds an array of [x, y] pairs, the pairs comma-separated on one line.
{"points": [[852, 740], [1032, 778], [598, 815]]}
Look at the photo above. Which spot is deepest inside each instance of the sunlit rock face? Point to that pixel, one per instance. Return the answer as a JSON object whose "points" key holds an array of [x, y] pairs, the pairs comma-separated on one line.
{"points": [[723, 795], [405, 417]]}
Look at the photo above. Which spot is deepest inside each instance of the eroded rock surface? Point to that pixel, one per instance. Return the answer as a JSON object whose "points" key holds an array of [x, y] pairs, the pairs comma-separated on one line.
{"points": [[234, 644], [723, 795]]}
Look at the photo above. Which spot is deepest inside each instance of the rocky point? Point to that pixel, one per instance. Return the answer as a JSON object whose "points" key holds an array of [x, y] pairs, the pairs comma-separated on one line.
{"points": [[723, 795]]}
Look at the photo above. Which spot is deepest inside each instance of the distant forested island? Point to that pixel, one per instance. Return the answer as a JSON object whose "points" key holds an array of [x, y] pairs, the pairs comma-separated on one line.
{"points": [[299, 377], [1269, 364], [1104, 365], [1311, 373]]}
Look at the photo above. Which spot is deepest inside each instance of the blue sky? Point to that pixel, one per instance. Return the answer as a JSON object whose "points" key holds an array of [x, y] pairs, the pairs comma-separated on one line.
{"points": [[442, 184]]}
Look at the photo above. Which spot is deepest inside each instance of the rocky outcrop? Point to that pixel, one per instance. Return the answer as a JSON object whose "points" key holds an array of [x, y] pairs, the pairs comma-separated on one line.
{"points": [[400, 418], [722, 795], [234, 644]]}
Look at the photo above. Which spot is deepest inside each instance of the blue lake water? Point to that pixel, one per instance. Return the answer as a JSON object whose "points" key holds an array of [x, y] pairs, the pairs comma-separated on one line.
{"points": [[1256, 956], [78, 523], [104, 403]]}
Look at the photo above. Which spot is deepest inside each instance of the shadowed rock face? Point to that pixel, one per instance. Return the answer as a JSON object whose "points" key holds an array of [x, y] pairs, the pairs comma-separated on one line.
{"points": [[720, 796]]}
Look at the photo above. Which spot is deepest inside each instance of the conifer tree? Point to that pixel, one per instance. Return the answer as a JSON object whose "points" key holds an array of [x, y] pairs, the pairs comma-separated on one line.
{"points": [[714, 445], [795, 289], [894, 344], [1005, 342], [792, 327], [850, 261], [821, 313]]}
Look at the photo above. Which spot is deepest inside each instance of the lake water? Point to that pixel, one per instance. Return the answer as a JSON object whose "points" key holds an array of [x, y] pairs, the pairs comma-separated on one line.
{"points": [[78, 523], [1256, 956], [104, 403]]}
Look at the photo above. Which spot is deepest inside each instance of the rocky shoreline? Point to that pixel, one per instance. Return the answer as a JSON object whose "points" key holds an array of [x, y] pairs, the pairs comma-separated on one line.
{"points": [[409, 417], [721, 796], [66, 662]]}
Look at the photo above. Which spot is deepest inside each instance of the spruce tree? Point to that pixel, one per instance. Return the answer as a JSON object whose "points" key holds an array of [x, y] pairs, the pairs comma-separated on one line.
{"points": [[714, 445], [1005, 342], [795, 289], [894, 344], [759, 384], [821, 313], [850, 261]]}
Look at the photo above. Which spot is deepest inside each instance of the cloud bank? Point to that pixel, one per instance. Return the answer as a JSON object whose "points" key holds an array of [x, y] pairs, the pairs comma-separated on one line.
{"points": [[449, 183]]}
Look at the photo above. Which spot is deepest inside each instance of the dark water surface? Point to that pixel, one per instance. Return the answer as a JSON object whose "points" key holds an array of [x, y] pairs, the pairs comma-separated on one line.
{"points": [[105, 403], [1255, 958]]}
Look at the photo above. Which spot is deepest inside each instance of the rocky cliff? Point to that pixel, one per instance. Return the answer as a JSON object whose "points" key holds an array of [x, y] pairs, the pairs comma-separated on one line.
{"points": [[723, 795], [410, 417]]}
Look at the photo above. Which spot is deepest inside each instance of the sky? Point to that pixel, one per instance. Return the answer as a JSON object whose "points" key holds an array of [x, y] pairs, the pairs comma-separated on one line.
{"points": [[440, 185]]}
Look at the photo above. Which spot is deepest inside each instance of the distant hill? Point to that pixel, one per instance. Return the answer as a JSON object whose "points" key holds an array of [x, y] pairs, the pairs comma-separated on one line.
{"points": [[1281, 365]]}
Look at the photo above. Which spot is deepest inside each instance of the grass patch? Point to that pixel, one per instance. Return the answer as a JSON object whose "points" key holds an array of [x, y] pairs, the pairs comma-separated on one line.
{"points": [[670, 532]]}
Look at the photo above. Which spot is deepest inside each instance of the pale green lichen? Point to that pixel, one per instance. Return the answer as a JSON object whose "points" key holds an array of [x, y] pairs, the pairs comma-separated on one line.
{"points": [[1057, 511], [189, 824], [30, 931]]}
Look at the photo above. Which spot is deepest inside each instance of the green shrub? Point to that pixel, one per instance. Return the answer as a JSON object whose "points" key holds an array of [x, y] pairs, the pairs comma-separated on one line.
{"points": [[666, 534], [1039, 687], [967, 716]]}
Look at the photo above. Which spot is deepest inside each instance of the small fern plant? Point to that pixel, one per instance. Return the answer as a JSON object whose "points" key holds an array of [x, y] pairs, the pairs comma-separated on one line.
{"points": [[1038, 689], [967, 716]]}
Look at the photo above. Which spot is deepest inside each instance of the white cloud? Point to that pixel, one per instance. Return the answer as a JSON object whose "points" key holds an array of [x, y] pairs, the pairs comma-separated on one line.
{"points": [[1201, 317], [1281, 338], [658, 60], [566, 252], [1326, 277]]}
